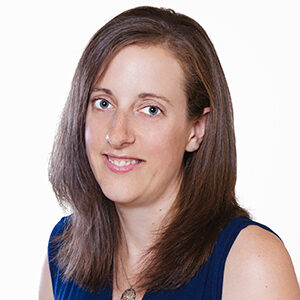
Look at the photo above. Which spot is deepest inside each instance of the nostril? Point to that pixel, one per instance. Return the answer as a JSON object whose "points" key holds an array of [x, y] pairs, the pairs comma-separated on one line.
{"points": [[118, 139], [121, 132]]}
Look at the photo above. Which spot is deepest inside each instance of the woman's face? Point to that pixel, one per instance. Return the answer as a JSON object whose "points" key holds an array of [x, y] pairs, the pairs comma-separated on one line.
{"points": [[136, 128]]}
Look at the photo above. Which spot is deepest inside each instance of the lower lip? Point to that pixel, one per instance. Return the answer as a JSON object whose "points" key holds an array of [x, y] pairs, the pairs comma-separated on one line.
{"points": [[118, 169]]}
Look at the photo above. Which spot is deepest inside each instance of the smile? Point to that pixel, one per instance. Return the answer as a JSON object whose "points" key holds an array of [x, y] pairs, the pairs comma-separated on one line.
{"points": [[121, 164]]}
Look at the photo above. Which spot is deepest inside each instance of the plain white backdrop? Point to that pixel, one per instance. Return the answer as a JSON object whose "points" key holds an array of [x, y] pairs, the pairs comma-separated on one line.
{"points": [[41, 42]]}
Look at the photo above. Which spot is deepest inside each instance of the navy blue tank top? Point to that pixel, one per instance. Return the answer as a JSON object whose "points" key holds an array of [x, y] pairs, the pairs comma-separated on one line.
{"points": [[206, 284]]}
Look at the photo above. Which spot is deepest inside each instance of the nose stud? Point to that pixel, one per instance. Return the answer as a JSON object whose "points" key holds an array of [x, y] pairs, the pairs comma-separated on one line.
{"points": [[107, 138]]}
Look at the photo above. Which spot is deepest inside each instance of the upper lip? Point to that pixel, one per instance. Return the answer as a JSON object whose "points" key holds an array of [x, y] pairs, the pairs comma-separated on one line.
{"points": [[121, 156]]}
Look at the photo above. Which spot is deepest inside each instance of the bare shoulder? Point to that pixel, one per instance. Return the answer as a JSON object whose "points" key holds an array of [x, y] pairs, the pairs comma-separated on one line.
{"points": [[45, 291], [258, 266]]}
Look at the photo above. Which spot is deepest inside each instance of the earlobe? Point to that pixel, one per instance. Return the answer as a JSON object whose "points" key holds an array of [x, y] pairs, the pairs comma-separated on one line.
{"points": [[197, 131]]}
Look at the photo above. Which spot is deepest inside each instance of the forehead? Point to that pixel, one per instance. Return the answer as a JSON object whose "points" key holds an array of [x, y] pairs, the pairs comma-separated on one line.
{"points": [[144, 68]]}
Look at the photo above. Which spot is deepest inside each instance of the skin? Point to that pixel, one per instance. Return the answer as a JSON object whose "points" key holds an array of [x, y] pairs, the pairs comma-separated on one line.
{"points": [[159, 140], [144, 195], [45, 289], [266, 271]]}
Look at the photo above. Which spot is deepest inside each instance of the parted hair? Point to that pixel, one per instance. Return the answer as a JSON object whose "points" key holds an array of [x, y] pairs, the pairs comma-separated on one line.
{"points": [[206, 199]]}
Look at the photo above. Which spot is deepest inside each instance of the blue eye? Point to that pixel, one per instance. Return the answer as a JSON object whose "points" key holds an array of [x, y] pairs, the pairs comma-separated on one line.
{"points": [[151, 110], [101, 103]]}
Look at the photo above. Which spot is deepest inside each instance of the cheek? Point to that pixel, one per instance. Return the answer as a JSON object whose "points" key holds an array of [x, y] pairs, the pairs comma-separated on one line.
{"points": [[93, 136], [96, 127], [93, 145], [88, 139], [167, 144]]}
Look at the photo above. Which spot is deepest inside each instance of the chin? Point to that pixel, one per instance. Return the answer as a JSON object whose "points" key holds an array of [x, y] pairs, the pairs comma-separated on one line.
{"points": [[119, 196]]}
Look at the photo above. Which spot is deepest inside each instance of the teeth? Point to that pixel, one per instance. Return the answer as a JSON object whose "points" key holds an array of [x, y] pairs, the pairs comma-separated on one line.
{"points": [[123, 163]]}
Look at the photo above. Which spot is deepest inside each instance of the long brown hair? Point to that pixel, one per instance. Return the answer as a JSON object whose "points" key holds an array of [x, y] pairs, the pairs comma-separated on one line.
{"points": [[206, 199]]}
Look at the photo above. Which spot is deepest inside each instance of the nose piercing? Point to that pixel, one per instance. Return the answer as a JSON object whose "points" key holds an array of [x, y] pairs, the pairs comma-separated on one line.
{"points": [[107, 138]]}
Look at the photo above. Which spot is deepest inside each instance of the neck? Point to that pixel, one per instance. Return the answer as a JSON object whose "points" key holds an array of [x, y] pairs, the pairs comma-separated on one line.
{"points": [[141, 226]]}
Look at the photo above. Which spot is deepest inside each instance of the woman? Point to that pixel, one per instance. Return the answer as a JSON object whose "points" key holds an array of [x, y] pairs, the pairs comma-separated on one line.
{"points": [[145, 158]]}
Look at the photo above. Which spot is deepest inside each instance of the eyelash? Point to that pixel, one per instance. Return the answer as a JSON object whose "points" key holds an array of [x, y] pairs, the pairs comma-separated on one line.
{"points": [[153, 106], [99, 100], [160, 111]]}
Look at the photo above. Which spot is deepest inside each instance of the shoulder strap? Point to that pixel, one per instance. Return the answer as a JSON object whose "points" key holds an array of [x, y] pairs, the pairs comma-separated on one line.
{"points": [[58, 230], [221, 250], [53, 248]]}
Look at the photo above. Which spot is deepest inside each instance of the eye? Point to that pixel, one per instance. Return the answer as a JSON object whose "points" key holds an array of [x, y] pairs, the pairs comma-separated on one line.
{"points": [[151, 110], [101, 103]]}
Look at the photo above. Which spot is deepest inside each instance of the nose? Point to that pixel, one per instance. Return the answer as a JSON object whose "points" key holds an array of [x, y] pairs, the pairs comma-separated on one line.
{"points": [[120, 133]]}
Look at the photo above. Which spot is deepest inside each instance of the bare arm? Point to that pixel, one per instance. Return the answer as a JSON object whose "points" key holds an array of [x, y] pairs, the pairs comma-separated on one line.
{"points": [[45, 292], [259, 267]]}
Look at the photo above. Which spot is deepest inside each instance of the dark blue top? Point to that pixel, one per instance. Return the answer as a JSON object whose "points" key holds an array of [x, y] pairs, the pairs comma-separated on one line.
{"points": [[206, 284]]}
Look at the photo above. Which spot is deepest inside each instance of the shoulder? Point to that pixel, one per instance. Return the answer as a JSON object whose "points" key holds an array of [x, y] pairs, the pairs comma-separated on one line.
{"points": [[259, 266], [45, 290], [55, 240], [58, 230], [61, 226], [49, 266]]}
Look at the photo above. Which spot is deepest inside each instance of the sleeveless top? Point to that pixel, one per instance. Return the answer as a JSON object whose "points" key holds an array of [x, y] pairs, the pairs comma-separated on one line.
{"points": [[206, 284]]}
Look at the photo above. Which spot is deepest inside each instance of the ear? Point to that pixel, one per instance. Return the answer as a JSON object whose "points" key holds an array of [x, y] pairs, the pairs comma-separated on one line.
{"points": [[197, 131]]}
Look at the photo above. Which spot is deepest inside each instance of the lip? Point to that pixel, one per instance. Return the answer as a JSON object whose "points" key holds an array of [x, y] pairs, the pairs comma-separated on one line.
{"points": [[118, 169]]}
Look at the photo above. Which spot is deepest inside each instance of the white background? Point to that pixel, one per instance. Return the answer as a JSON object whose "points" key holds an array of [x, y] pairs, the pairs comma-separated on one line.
{"points": [[41, 43]]}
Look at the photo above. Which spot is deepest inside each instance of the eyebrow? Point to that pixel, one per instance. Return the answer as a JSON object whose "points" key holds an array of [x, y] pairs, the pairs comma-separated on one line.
{"points": [[145, 95], [141, 95], [107, 91]]}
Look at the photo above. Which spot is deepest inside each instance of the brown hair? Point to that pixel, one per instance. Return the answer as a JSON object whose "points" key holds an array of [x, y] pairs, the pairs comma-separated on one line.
{"points": [[206, 199]]}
